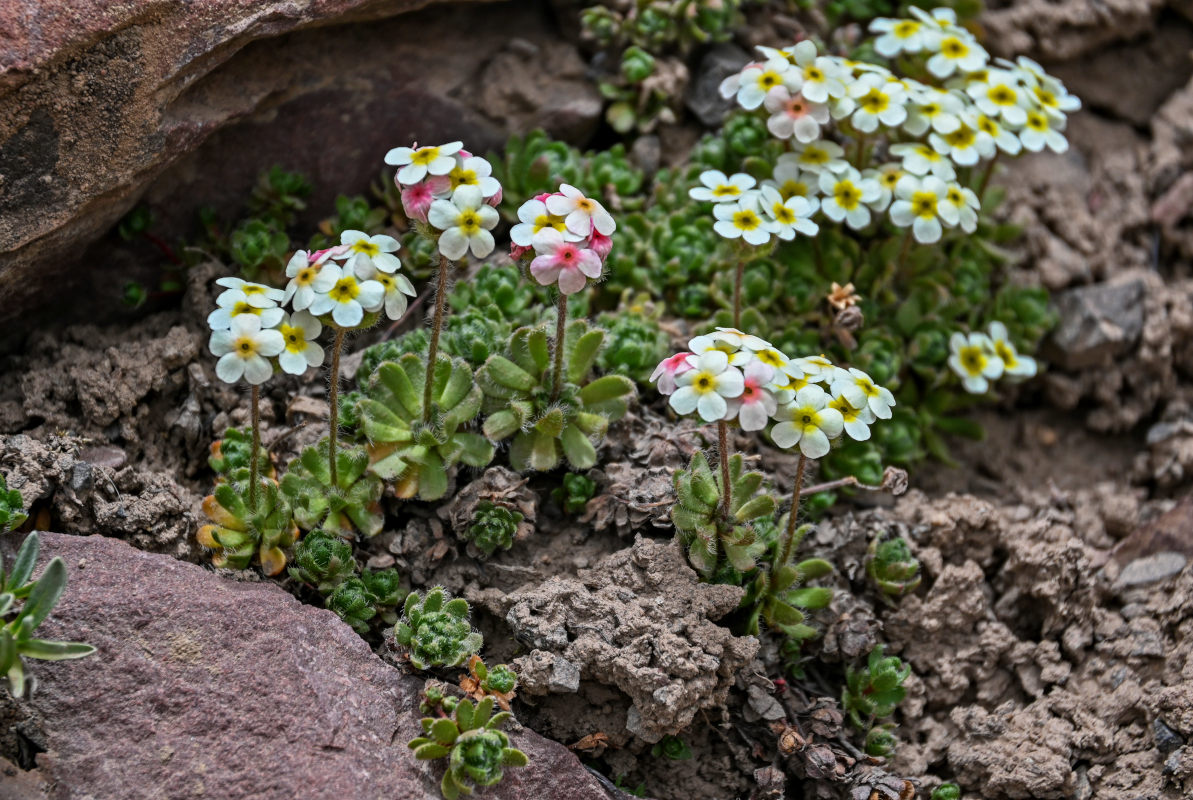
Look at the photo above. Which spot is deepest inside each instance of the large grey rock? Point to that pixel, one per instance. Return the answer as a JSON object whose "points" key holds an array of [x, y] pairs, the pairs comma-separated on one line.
{"points": [[704, 97], [101, 102], [1097, 323], [203, 687]]}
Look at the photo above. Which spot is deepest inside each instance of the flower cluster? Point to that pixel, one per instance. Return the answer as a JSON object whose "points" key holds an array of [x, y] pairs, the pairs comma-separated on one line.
{"points": [[978, 359], [452, 190], [336, 286], [731, 376], [569, 235], [910, 137]]}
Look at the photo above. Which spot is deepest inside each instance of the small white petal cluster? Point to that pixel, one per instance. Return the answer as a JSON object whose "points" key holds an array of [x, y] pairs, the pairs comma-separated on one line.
{"points": [[569, 235], [980, 358], [452, 190], [732, 376], [907, 138]]}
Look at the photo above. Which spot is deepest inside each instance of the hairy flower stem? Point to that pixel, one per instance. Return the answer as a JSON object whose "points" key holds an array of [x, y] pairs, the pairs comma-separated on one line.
{"points": [[253, 467], [561, 319], [333, 397], [726, 487], [903, 249], [436, 329], [986, 177], [796, 490], [741, 269]]}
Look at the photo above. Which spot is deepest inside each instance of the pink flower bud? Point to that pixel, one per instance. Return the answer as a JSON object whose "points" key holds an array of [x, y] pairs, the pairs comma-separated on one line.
{"points": [[600, 243], [417, 199]]}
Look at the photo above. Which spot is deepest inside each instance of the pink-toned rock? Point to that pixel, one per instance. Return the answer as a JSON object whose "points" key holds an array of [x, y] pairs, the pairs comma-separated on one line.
{"points": [[203, 687], [101, 102]]}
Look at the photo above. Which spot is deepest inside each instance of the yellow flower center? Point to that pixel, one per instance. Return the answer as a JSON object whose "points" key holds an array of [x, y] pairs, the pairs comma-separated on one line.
{"points": [[813, 74], [791, 189], [423, 156], [462, 177], [244, 308], [1006, 353], [961, 138], [1001, 95], [987, 125], [251, 289], [875, 101], [814, 155], [889, 179], [973, 359], [783, 214], [905, 29], [847, 195], [769, 79], [770, 357], [385, 280], [927, 153], [245, 347], [468, 222], [549, 221], [345, 290], [953, 47], [726, 190], [704, 382], [930, 109], [954, 196], [1037, 122], [746, 220], [923, 204], [296, 340], [1046, 98], [366, 247], [306, 276], [847, 411], [867, 386]]}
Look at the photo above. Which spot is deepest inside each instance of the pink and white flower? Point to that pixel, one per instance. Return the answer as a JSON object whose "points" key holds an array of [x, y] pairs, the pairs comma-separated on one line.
{"points": [[707, 386], [534, 217], [304, 270], [668, 370], [417, 164], [563, 262], [417, 199], [792, 114], [756, 403]]}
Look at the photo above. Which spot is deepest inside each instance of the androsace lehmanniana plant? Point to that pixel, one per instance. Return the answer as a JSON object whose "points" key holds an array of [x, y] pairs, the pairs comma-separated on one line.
{"points": [[472, 741]]}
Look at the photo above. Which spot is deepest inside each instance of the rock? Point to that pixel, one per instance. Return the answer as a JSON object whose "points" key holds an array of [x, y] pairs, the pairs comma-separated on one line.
{"points": [[204, 687], [1051, 30], [704, 97], [639, 621], [1151, 569], [1097, 323], [102, 104], [1167, 739]]}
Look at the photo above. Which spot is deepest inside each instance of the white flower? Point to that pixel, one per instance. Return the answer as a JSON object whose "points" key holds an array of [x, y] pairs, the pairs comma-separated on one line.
{"points": [[741, 220], [918, 205], [739, 339], [790, 181], [233, 303], [721, 343], [820, 156], [348, 297], [668, 370], [754, 406], [758, 79], [966, 201], [862, 392], [879, 101], [901, 36], [789, 216], [1041, 131], [706, 386], [794, 115], [1047, 91], [533, 217], [846, 196], [719, 188], [417, 164], [1014, 365], [397, 288], [370, 251], [244, 350], [816, 369], [957, 50], [975, 361], [303, 271], [941, 19], [1005, 140], [857, 420], [807, 421], [580, 213], [298, 336], [257, 295], [465, 221], [920, 159], [778, 360], [932, 108], [821, 76], [966, 145], [887, 176], [1000, 96], [473, 171]]}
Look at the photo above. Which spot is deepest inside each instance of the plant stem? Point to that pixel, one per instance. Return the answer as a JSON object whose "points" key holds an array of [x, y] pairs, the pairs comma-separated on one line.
{"points": [[561, 318], [726, 487], [903, 252], [333, 396], [986, 177], [796, 491], [741, 269], [861, 148], [253, 467], [436, 328]]}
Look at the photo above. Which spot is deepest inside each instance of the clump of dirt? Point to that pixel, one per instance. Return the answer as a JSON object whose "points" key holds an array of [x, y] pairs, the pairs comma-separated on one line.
{"points": [[638, 621]]}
